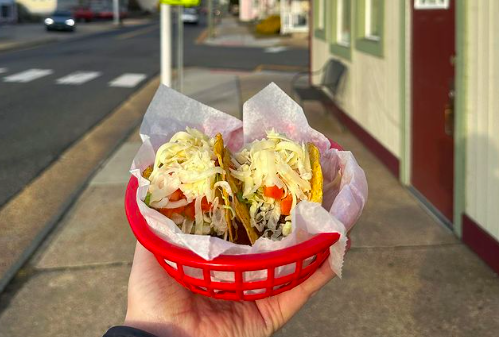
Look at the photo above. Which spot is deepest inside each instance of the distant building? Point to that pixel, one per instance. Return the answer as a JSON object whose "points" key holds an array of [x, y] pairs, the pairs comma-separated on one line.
{"points": [[294, 13], [250, 10], [294, 16], [8, 11], [36, 7]]}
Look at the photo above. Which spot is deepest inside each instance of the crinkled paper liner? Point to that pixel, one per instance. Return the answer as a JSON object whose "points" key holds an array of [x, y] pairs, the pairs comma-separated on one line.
{"points": [[345, 185]]}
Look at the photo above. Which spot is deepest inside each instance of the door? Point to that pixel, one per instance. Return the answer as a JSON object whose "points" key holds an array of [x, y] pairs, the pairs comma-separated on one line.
{"points": [[433, 50]]}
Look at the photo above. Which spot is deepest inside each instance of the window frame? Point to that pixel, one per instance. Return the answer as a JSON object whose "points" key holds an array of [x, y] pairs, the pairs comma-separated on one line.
{"points": [[337, 46], [320, 32], [370, 44]]}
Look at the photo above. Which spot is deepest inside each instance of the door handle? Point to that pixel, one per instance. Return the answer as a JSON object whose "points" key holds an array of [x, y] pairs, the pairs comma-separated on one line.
{"points": [[449, 114]]}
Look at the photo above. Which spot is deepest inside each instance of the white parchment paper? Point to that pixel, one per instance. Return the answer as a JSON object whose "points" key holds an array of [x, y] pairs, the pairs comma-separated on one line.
{"points": [[345, 185]]}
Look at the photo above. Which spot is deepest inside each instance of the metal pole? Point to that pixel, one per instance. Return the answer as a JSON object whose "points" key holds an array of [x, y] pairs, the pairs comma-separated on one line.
{"points": [[166, 46], [116, 12], [210, 18], [180, 49]]}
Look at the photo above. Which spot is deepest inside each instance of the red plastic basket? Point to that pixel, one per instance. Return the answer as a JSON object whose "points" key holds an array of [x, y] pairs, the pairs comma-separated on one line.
{"points": [[305, 258]]}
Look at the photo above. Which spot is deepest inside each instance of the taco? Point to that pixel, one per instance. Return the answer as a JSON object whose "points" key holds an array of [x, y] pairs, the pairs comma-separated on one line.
{"points": [[188, 185], [272, 176]]}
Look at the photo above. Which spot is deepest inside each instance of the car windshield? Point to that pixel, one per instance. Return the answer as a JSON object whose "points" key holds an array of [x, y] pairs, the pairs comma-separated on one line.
{"points": [[62, 13], [190, 10]]}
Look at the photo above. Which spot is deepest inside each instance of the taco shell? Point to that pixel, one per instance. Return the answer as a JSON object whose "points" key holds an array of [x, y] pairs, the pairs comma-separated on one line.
{"points": [[242, 211], [218, 148], [317, 178]]}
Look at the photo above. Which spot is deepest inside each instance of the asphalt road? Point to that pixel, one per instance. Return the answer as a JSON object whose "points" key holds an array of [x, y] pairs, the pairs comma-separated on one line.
{"points": [[50, 96]]}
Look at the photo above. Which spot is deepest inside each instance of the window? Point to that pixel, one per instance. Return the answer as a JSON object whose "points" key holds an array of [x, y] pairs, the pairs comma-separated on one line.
{"points": [[340, 38], [320, 19], [372, 19], [369, 18], [343, 22], [5, 11]]}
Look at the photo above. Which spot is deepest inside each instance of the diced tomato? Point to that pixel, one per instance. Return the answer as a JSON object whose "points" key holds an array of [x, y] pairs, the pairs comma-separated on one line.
{"points": [[205, 205], [286, 204], [190, 209], [177, 195], [169, 211], [273, 192]]}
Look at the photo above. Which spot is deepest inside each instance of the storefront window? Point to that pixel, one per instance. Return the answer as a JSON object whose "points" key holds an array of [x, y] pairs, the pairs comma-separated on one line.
{"points": [[372, 19], [320, 14], [343, 21], [369, 17]]}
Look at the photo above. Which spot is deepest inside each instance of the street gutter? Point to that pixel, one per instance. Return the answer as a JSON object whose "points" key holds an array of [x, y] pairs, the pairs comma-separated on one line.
{"points": [[32, 214]]}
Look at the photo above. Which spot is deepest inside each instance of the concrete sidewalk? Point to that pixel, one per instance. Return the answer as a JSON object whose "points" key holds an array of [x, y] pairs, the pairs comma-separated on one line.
{"points": [[26, 35], [405, 275]]}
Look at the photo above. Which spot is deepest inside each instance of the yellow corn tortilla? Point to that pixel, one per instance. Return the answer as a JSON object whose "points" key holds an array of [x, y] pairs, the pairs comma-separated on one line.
{"points": [[317, 178], [242, 211], [218, 148]]}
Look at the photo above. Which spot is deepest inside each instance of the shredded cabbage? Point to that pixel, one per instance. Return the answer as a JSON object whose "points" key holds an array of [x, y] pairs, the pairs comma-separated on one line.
{"points": [[188, 163], [274, 161]]}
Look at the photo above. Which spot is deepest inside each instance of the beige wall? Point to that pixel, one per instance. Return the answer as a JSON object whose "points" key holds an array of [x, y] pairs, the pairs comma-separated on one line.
{"points": [[482, 111], [371, 92], [39, 7]]}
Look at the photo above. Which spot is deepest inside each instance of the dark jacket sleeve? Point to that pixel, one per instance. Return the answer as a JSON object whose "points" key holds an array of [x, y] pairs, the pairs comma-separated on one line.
{"points": [[126, 331]]}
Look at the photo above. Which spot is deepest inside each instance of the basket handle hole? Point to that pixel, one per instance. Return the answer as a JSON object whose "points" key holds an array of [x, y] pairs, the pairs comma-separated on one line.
{"points": [[255, 275], [171, 264], [309, 260], [222, 276], [193, 272], [285, 270], [254, 291]]}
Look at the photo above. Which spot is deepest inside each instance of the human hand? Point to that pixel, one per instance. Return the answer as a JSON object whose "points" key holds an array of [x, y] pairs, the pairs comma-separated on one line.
{"points": [[159, 305]]}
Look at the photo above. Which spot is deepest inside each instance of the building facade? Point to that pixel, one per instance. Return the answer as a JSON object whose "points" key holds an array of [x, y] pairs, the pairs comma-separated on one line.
{"points": [[8, 11], [419, 92]]}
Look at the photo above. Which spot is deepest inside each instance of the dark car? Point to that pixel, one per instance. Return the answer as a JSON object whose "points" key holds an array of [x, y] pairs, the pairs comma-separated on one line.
{"points": [[60, 20]]}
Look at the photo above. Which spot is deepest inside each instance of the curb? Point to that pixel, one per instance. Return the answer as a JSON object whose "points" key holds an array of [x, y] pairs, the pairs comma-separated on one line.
{"points": [[72, 171]]}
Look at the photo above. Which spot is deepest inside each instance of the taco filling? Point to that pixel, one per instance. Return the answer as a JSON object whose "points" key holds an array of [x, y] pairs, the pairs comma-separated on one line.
{"points": [[187, 184], [274, 175]]}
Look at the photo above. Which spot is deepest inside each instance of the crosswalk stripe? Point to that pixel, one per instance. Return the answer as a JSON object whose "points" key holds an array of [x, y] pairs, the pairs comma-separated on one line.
{"points": [[78, 77], [127, 80], [3, 70], [28, 75]]}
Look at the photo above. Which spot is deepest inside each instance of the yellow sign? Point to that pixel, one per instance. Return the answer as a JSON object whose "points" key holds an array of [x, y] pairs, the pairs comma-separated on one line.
{"points": [[187, 3]]}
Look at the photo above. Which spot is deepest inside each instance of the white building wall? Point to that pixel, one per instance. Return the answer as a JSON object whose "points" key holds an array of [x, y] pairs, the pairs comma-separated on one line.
{"points": [[371, 92], [39, 7], [482, 111]]}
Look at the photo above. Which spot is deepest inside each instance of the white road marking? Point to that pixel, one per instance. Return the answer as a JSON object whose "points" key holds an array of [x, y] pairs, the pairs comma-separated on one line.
{"points": [[127, 80], [28, 75], [276, 49], [3, 70], [78, 77]]}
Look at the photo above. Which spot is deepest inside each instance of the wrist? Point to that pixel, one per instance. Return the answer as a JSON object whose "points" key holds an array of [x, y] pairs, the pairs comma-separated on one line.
{"points": [[155, 328]]}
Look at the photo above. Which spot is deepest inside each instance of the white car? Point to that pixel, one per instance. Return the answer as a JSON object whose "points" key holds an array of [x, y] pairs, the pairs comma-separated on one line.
{"points": [[190, 15]]}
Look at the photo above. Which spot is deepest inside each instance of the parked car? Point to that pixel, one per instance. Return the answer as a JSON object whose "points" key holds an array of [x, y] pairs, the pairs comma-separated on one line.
{"points": [[190, 15], [60, 20], [83, 14]]}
